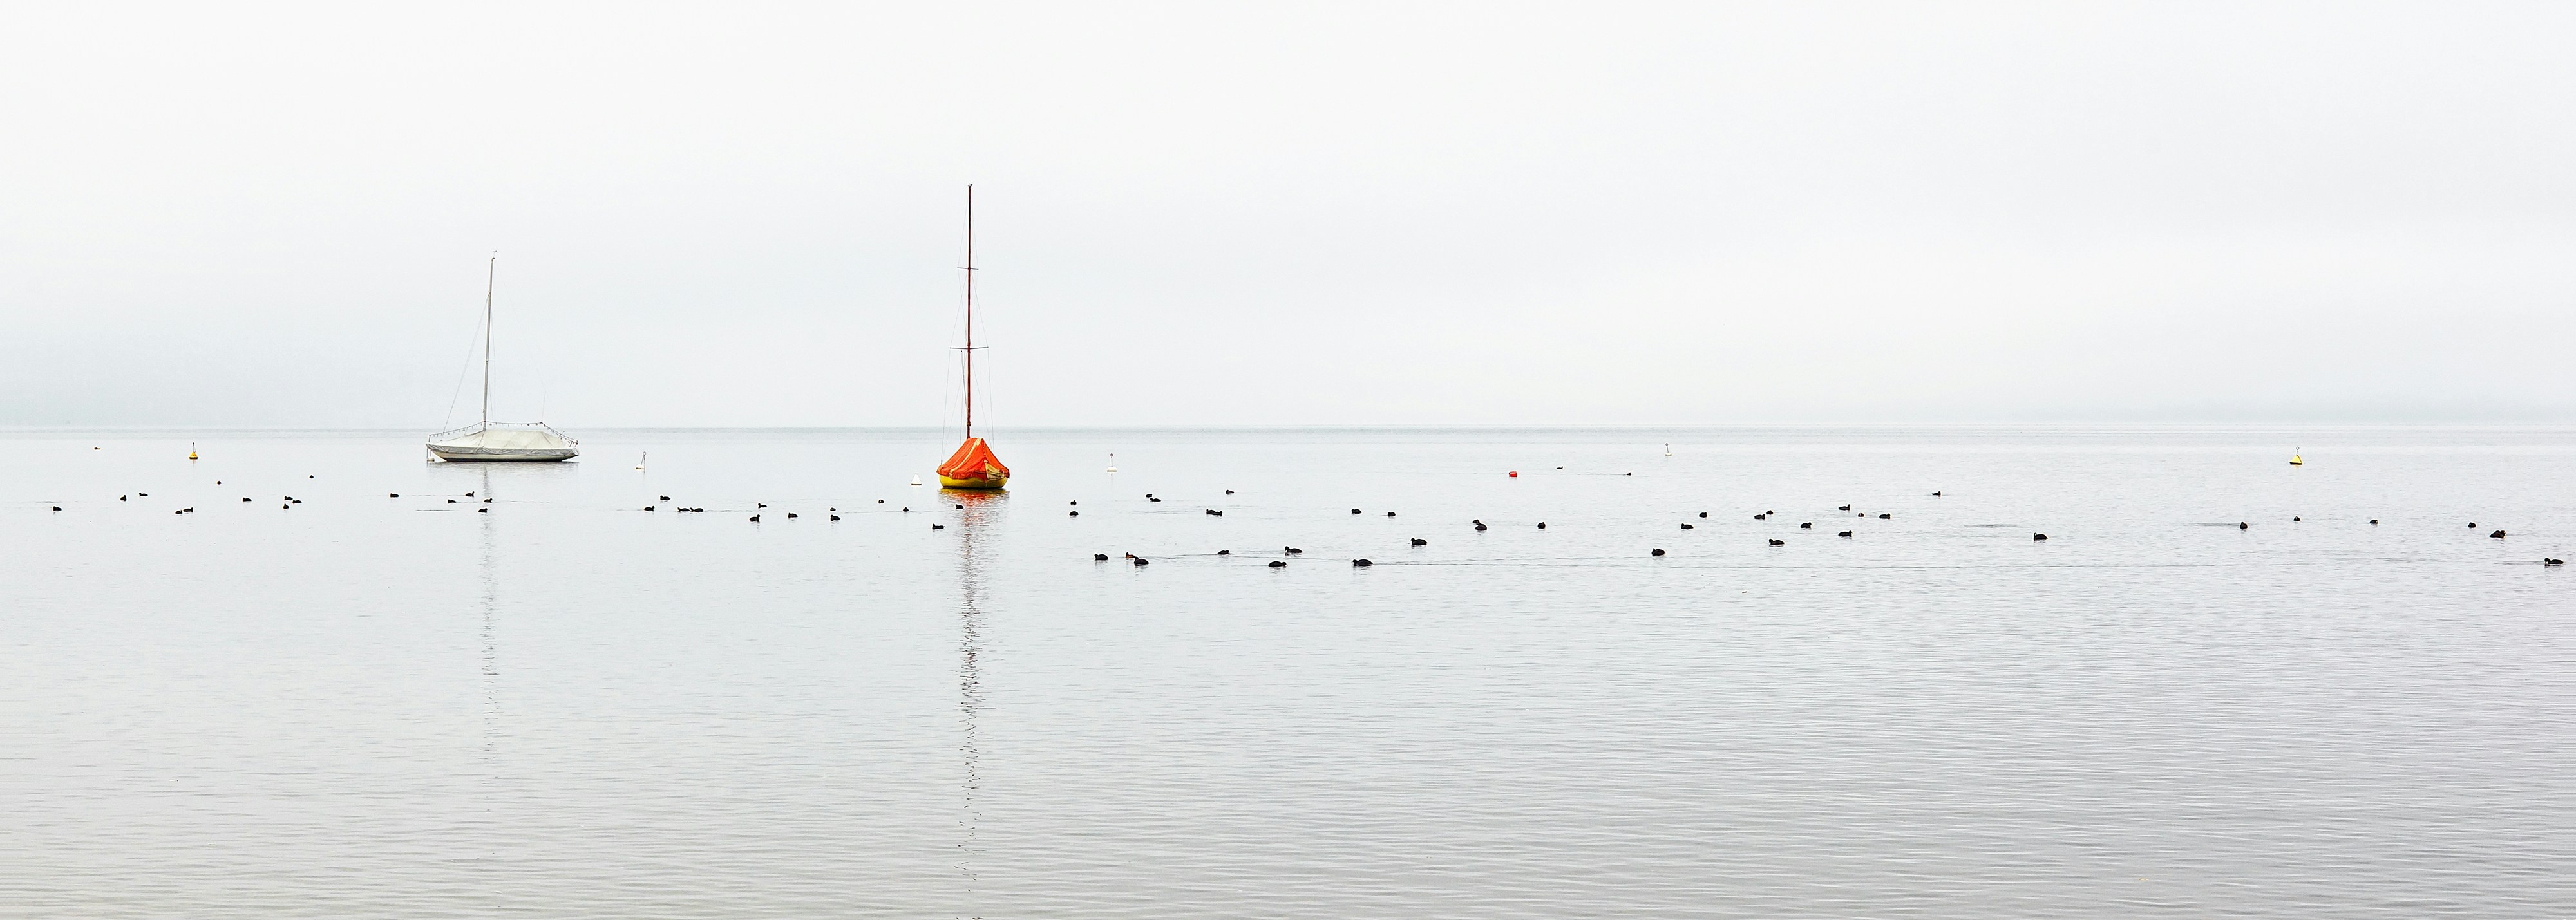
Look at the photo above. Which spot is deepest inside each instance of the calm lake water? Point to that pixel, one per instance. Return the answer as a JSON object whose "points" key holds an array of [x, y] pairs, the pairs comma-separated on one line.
{"points": [[368, 706]]}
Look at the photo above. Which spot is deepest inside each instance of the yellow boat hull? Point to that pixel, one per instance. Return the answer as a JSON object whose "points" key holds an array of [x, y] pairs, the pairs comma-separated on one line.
{"points": [[987, 485]]}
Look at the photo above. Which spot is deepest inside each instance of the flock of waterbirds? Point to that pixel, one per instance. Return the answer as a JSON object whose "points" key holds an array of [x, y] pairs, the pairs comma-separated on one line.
{"points": [[482, 506], [1479, 525]]}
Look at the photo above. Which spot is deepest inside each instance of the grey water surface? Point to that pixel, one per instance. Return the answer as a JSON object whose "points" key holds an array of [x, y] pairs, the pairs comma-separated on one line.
{"points": [[568, 706]]}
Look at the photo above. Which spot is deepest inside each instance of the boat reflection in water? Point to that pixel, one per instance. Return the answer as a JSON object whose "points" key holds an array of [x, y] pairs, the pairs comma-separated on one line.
{"points": [[982, 510], [491, 624]]}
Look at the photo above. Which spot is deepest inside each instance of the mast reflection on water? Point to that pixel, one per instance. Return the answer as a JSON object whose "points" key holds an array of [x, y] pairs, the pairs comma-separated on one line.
{"points": [[981, 510]]}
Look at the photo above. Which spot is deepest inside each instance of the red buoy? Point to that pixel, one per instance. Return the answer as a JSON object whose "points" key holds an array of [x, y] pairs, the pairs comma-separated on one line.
{"points": [[1515, 474]]}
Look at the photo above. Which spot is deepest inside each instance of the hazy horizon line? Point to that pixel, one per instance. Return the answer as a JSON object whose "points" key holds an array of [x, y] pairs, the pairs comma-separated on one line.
{"points": [[1436, 426]]}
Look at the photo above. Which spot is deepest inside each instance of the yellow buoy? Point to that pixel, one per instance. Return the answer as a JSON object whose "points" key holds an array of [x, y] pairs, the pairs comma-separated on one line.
{"points": [[192, 451], [2295, 461]]}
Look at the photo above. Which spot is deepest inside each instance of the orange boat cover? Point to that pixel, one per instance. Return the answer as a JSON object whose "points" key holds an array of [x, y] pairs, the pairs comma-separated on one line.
{"points": [[974, 460]]}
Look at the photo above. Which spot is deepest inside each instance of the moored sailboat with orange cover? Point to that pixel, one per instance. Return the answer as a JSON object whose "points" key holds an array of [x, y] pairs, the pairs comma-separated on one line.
{"points": [[973, 466]]}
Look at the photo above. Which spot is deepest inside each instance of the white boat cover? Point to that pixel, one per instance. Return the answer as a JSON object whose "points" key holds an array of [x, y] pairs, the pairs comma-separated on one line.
{"points": [[495, 442]]}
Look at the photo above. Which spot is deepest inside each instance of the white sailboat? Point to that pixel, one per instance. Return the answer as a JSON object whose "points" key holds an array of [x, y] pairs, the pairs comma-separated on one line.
{"points": [[490, 440]]}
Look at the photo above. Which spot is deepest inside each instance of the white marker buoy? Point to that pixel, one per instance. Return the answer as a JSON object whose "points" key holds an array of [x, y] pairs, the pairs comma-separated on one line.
{"points": [[639, 460], [916, 480], [1113, 463]]}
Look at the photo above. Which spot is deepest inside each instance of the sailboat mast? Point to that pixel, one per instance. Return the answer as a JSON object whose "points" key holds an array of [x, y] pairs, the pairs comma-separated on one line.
{"points": [[970, 310], [973, 466], [490, 270]]}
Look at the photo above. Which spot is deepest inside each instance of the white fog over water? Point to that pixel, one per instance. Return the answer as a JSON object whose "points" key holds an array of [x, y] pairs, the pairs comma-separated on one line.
{"points": [[1329, 214]]}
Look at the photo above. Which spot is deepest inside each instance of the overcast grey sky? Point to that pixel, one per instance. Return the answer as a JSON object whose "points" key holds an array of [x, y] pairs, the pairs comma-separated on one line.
{"points": [[723, 214]]}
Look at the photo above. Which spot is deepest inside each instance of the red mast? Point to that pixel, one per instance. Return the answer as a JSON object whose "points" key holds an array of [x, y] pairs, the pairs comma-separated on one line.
{"points": [[973, 466], [970, 311]]}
